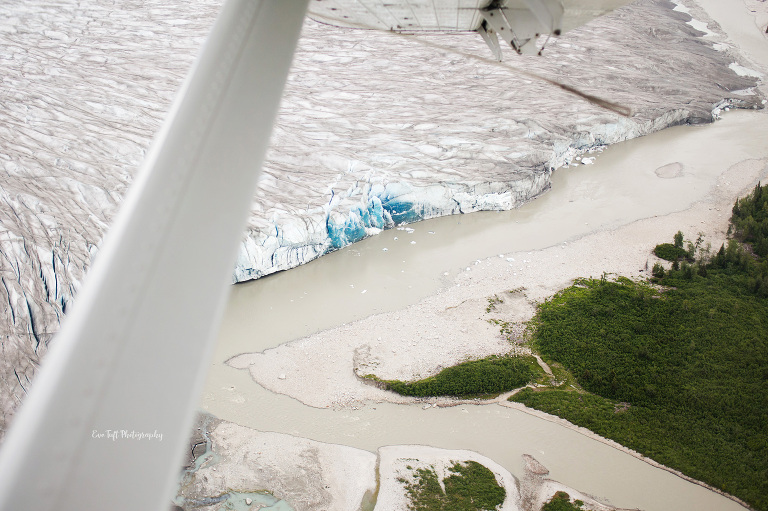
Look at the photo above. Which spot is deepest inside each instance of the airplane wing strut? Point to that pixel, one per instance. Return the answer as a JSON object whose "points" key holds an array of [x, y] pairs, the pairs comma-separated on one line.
{"points": [[110, 411]]}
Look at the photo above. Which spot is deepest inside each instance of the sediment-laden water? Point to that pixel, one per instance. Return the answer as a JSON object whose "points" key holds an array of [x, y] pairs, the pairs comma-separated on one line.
{"points": [[656, 175]]}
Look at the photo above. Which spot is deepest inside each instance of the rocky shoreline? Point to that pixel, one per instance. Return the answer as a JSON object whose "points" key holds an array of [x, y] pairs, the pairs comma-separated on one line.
{"points": [[240, 468]]}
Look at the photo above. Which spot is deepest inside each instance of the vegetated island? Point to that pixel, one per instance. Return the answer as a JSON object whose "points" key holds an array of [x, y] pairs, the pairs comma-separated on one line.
{"points": [[484, 378], [674, 367], [469, 486]]}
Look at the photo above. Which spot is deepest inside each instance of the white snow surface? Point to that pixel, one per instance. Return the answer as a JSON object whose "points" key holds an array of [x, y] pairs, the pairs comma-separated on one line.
{"points": [[744, 71], [374, 129]]}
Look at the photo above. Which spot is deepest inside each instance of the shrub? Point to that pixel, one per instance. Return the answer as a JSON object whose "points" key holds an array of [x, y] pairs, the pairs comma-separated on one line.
{"points": [[487, 376], [561, 501], [678, 239], [669, 252], [470, 487]]}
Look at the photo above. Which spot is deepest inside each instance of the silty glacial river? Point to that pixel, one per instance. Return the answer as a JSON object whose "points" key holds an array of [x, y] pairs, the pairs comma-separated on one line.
{"points": [[622, 185]]}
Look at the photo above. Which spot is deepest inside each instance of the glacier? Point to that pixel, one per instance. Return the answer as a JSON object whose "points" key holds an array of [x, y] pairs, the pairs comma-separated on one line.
{"points": [[375, 130], [435, 128]]}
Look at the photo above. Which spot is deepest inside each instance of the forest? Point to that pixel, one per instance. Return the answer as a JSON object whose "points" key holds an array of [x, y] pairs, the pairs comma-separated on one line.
{"points": [[675, 367]]}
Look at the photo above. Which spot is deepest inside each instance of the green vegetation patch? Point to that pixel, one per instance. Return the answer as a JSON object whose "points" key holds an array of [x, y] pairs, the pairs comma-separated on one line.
{"points": [[493, 302], [486, 377], [679, 374], [750, 219], [561, 501], [470, 487], [669, 252], [750, 222]]}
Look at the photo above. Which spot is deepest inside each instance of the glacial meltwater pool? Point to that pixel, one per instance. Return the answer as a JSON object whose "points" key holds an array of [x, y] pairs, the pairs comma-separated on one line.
{"points": [[623, 185]]}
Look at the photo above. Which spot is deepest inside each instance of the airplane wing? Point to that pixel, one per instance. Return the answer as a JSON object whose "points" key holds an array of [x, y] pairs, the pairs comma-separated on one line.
{"points": [[517, 22], [109, 413]]}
